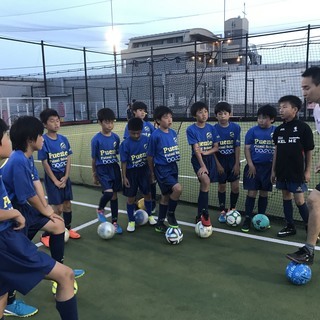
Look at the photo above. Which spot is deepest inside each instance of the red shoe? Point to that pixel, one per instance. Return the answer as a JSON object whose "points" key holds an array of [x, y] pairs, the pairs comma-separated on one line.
{"points": [[45, 241], [205, 220], [74, 234]]}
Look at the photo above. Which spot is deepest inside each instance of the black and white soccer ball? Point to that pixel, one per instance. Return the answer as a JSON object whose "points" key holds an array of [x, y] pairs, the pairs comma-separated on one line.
{"points": [[233, 218], [202, 231], [174, 235]]}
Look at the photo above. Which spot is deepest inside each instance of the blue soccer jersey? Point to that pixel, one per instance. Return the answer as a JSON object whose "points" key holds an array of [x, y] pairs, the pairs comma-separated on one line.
{"points": [[5, 204], [104, 149], [163, 147], [229, 138], [134, 152], [205, 137], [56, 151], [147, 130], [18, 175], [261, 144]]}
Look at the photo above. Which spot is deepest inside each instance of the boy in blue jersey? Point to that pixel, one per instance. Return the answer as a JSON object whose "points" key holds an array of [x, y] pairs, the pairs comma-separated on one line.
{"points": [[105, 166], [135, 171], [228, 157], [203, 139], [22, 266], [258, 150], [56, 161], [140, 110], [291, 168], [163, 154]]}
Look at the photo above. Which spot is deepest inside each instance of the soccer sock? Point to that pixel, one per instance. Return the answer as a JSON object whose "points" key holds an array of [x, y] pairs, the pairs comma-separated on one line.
{"points": [[130, 211], [172, 206], [68, 309], [262, 204], [114, 210], [233, 199], [288, 211], [222, 200], [162, 212], [148, 205], [106, 197], [153, 194], [56, 244], [11, 297], [249, 205], [203, 200], [304, 212], [67, 216], [310, 247]]}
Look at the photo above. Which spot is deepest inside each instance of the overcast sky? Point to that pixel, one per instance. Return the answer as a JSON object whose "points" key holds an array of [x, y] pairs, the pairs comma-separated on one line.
{"points": [[84, 23]]}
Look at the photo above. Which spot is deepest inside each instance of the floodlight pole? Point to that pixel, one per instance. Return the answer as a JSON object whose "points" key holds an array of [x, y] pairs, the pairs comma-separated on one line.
{"points": [[44, 70]]}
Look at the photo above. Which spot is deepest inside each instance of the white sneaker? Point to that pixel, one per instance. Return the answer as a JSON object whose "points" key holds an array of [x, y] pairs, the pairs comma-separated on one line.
{"points": [[152, 220], [131, 226]]}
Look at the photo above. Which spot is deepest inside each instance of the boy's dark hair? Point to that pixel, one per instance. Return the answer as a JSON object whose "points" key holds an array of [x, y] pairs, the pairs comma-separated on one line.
{"points": [[267, 110], [198, 106], [160, 111], [139, 105], [106, 114], [293, 100], [314, 73], [3, 128], [222, 106], [135, 124], [47, 113], [24, 129]]}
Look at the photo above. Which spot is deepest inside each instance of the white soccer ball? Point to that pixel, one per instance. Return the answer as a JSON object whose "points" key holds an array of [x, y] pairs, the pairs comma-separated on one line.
{"points": [[66, 235], [106, 230], [174, 235], [233, 218], [202, 231]]}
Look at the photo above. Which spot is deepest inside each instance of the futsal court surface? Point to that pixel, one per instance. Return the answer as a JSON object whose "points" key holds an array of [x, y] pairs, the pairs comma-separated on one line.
{"points": [[132, 276]]}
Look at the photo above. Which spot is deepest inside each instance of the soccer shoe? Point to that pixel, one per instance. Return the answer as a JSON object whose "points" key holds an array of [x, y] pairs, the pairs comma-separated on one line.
{"points": [[131, 226], [222, 217], [205, 219], [303, 255], [101, 216], [154, 211], [246, 224], [117, 228], [287, 231], [172, 221], [152, 220], [74, 234], [160, 227], [78, 273], [19, 309], [45, 241], [55, 286]]}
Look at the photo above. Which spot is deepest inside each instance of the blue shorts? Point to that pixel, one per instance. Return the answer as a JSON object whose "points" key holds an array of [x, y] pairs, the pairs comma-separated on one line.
{"points": [[294, 187], [210, 163], [55, 195], [227, 163], [138, 178], [167, 177], [22, 266], [109, 177], [35, 221], [262, 179]]}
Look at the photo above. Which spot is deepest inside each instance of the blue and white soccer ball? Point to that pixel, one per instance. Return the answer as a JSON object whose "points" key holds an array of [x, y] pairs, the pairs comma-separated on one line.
{"points": [[261, 222], [106, 230], [298, 274], [202, 231], [174, 235], [233, 218], [141, 217]]}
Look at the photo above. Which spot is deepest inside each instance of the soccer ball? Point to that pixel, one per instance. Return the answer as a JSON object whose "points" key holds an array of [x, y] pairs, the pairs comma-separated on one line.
{"points": [[141, 217], [55, 285], [174, 235], [298, 274], [66, 235], [260, 222], [233, 218], [140, 204], [202, 231], [106, 230]]}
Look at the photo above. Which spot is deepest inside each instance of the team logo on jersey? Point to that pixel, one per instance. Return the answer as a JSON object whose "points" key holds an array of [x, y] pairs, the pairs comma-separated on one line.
{"points": [[145, 146], [175, 139], [115, 144], [209, 136], [295, 129], [231, 134], [63, 146], [146, 129]]}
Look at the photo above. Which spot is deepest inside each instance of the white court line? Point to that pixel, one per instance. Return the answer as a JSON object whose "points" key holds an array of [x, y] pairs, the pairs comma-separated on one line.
{"points": [[188, 224]]}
